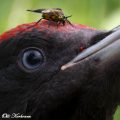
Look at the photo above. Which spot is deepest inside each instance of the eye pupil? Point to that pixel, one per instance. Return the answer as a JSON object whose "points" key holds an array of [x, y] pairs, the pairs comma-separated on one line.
{"points": [[31, 58]]}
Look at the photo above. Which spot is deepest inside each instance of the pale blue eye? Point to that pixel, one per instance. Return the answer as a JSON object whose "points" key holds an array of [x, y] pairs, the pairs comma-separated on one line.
{"points": [[32, 58]]}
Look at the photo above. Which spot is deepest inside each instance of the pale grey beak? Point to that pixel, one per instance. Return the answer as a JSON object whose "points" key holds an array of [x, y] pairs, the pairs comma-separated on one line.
{"points": [[107, 48]]}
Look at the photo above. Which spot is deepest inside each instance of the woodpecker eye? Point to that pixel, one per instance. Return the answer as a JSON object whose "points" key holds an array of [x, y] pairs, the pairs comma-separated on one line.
{"points": [[31, 58]]}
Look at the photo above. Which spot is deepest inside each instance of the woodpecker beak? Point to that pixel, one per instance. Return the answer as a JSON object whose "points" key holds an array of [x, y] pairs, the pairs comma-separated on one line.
{"points": [[105, 51]]}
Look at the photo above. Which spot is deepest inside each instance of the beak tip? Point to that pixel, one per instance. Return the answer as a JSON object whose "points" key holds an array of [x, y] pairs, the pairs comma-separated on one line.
{"points": [[68, 65], [63, 67]]}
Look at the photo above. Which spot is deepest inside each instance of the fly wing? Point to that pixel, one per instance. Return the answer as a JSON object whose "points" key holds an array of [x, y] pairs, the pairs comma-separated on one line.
{"points": [[37, 11], [44, 10]]}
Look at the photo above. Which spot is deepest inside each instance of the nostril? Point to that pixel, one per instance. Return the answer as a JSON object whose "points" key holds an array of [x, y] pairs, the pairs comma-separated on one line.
{"points": [[82, 48]]}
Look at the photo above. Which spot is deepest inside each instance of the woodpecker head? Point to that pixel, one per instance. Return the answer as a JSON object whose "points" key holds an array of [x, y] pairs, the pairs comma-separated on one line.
{"points": [[32, 81]]}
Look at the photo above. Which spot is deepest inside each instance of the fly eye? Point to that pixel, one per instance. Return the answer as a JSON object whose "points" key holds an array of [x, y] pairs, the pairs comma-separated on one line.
{"points": [[31, 59]]}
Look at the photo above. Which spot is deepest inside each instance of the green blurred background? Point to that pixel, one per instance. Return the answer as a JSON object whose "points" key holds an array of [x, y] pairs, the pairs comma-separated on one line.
{"points": [[101, 14]]}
